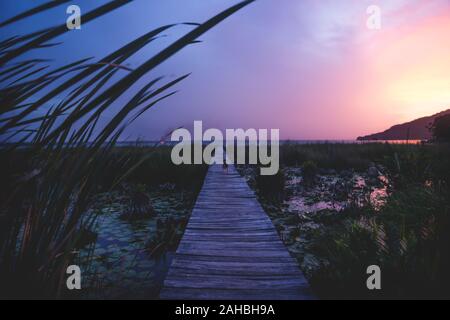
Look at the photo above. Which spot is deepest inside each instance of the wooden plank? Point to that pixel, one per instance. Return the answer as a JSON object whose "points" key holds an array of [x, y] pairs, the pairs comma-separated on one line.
{"points": [[222, 281], [207, 236], [230, 249], [224, 294], [232, 266], [222, 258]]}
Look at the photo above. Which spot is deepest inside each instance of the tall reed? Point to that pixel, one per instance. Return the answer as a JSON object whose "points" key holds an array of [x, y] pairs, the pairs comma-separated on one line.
{"points": [[66, 153]]}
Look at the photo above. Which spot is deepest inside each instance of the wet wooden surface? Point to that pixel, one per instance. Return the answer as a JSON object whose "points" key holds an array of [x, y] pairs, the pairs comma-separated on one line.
{"points": [[230, 249]]}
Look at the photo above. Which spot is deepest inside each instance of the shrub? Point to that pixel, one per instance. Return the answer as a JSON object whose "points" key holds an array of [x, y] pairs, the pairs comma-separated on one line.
{"points": [[309, 171], [271, 186], [408, 239]]}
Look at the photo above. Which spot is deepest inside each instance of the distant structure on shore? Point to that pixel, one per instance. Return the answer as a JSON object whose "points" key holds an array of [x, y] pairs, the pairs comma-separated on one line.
{"points": [[414, 130]]}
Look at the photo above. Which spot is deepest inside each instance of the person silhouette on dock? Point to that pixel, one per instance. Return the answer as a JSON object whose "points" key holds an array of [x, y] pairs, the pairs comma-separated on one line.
{"points": [[225, 166]]}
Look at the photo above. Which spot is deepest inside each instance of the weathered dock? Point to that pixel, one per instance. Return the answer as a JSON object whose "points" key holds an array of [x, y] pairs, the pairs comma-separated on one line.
{"points": [[230, 249]]}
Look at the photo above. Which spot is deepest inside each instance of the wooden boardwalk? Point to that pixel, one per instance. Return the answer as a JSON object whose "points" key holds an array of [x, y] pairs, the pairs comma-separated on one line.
{"points": [[230, 249]]}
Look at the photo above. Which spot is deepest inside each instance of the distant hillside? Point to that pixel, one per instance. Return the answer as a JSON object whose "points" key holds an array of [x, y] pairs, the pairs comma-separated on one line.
{"points": [[413, 130]]}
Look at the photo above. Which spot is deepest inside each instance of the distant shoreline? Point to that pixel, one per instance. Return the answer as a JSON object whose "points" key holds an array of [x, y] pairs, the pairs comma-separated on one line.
{"points": [[284, 142], [154, 143]]}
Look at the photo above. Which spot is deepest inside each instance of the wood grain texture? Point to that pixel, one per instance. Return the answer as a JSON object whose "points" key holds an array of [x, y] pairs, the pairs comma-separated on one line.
{"points": [[230, 249]]}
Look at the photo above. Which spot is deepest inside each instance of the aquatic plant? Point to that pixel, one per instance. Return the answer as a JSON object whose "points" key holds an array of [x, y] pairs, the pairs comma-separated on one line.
{"points": [[168, 235], [271, 185], [139, 204], [309, 173]]}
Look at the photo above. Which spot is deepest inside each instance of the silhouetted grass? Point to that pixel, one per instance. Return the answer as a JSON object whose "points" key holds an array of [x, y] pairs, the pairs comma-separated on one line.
{"points": [[33, 11], [43, 212], [408, 240]]}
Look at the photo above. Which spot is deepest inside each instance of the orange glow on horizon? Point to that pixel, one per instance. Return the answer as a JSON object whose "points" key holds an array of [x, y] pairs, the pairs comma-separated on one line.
{"points": [[412, 66]]}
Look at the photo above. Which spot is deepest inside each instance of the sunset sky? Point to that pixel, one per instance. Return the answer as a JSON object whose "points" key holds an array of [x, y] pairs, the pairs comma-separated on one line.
{"points": [[311, 68]]}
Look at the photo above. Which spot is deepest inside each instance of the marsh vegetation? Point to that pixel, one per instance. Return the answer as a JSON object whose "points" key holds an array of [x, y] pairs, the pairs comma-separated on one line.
{"points": [[127, 231], [342, 207]]}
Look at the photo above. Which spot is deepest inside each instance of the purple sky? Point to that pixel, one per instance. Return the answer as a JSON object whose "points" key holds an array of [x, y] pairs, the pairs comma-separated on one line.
{"points": [[310, 68]]}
